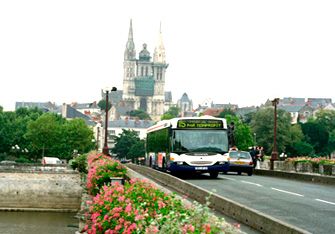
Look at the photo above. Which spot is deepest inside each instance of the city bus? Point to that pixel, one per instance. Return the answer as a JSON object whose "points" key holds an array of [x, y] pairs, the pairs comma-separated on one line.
{"points": [[188, 144]]}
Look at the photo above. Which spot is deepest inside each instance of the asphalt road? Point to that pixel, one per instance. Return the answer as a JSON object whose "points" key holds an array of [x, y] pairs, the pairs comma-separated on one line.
{"points": [[305, 205]]}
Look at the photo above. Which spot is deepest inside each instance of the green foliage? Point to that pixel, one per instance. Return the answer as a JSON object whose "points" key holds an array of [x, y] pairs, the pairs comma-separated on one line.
{"points": [[137, 150], [141, 114], [102, 104], [300, 148], [53, 136], [80, 163], [173, 112], [263, 125], [242, 133], [124, 142], [22, 160], [226, 112], [316, 135], [43, 133]]}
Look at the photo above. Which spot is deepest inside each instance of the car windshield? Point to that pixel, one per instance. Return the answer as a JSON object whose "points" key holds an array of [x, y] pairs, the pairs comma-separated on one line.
{"points": [[200, 141], [239, 154]]}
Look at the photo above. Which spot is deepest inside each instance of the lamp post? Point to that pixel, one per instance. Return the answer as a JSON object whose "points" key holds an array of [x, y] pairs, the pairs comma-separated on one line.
{"points": [[105, 150], [274, 154], [255, 139]]}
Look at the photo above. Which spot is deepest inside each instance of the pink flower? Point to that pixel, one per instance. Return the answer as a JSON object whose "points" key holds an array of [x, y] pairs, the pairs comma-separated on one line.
{"points": [[128, 208], [207, 228]]}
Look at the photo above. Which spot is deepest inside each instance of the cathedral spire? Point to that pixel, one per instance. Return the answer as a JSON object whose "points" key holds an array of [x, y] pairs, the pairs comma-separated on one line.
{"points": [[130, 52], [159, 54]]}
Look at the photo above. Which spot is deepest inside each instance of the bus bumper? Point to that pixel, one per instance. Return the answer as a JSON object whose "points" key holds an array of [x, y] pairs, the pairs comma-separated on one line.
{"points": [[174, 167]]}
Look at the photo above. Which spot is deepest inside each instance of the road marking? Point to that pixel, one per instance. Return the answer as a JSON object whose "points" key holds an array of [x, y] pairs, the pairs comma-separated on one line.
{"points": [[228, 178], [283, 191], [332, 203], [247, 182]]}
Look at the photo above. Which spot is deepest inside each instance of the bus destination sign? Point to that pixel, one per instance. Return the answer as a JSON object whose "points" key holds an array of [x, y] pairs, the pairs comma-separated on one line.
{"points": [[200, 123]]}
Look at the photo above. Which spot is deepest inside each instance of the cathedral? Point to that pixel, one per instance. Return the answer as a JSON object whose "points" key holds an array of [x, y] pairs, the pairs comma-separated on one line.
{"points": [[144, 77]]}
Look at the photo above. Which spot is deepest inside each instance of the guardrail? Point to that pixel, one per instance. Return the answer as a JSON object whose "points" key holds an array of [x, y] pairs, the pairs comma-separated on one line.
{"points": [[241, 213]]}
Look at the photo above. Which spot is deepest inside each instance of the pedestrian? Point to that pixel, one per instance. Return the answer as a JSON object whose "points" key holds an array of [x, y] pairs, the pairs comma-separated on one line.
{"points": [[253, 154]]}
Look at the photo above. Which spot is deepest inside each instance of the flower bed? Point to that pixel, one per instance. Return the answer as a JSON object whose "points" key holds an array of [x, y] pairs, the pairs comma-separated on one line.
{"points": [[101, 169], [320, 165], [139, 207]]}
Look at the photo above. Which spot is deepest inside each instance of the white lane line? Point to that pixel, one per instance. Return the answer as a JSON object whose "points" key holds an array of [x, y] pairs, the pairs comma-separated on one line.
{"points": [[283, 191], [332, 203], [247, 182], [228, 178]]}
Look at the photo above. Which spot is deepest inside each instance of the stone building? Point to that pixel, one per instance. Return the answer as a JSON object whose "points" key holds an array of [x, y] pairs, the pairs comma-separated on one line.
{"points": [[144, 77]]}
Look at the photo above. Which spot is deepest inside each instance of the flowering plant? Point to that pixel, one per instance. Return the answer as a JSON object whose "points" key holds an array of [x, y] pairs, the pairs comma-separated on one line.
{"points": [[139, 207], [102, 168], [314, 161]]}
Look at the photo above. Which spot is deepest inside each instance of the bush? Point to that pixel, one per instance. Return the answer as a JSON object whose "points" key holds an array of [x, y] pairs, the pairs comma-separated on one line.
{"points": [[79, 163], [22, 160]]}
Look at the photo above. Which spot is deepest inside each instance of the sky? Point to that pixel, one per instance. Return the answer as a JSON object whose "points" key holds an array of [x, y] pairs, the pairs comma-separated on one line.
{"points": [[240, 52]]}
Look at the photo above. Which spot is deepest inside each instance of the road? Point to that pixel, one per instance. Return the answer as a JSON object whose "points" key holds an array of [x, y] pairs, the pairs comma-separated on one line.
{"points": [[305, 205]]}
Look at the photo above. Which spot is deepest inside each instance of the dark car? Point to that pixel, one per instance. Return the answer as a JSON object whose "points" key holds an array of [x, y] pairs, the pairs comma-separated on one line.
{"points": [[241, 161]]}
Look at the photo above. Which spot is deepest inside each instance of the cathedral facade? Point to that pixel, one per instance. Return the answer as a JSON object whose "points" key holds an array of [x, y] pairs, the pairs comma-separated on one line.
{"points": [[144, 77]]}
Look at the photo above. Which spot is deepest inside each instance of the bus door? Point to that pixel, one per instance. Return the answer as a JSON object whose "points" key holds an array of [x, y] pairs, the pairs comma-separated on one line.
{"points": [[160, 158]]}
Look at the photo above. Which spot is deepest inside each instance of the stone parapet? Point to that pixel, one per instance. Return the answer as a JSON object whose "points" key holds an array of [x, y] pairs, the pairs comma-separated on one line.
{"points": [[40, 191]]}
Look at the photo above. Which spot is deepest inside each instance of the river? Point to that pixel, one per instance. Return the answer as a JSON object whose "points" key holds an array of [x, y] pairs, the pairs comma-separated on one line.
{"points": [[38, 222]]}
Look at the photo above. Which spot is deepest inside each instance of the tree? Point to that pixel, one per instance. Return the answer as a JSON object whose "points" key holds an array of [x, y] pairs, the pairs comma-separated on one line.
{"points": [[74, 135], [242, 133], [263, 123], [141, 114], [173, 112], [102, 104], [43, 133], [137, 150], [226, 112], [124, 142], [317, 135], [297, 146]]}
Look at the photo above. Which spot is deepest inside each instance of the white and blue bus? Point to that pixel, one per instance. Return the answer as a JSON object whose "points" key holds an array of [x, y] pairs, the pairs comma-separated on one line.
{"points": [[189, 144]]}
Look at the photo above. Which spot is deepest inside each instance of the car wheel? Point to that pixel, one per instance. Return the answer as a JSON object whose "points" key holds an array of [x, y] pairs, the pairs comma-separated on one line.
{"points": [[213, 175], [250, 173], [239, 173]]}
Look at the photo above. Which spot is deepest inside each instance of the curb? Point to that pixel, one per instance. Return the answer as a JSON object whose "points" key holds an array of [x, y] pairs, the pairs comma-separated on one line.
{"points": [[313, 178]]}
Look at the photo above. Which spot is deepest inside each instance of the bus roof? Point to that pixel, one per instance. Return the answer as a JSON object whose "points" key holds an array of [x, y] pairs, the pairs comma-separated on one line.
{"points": [[173, 122]]}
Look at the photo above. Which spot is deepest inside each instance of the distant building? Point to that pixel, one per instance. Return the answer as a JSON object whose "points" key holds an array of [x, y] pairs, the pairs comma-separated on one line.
{"points": [[144, 79], [318, 102], [168, 101], [185, 105], [212, 112], [116, 127], [86, 108], [44, 106], [68, 112]]}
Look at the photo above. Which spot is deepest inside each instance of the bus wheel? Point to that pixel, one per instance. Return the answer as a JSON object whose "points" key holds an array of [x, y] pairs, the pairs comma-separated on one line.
{"points": [[213, 175]]}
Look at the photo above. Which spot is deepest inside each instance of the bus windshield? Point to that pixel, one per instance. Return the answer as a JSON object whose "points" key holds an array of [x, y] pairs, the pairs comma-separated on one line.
{"points": [[199, 141]]}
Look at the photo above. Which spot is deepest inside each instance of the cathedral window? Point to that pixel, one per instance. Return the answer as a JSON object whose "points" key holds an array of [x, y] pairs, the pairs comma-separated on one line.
{"points": [[146, 71], [141, 71]]}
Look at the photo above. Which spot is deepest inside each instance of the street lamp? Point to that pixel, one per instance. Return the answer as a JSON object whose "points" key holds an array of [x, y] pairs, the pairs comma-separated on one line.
{"points": [[105, 150], [274, 154], [255, 138]]}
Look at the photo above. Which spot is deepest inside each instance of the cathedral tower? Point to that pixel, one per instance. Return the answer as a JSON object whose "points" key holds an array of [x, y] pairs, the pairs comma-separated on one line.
{"points": [[143, 79]]}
